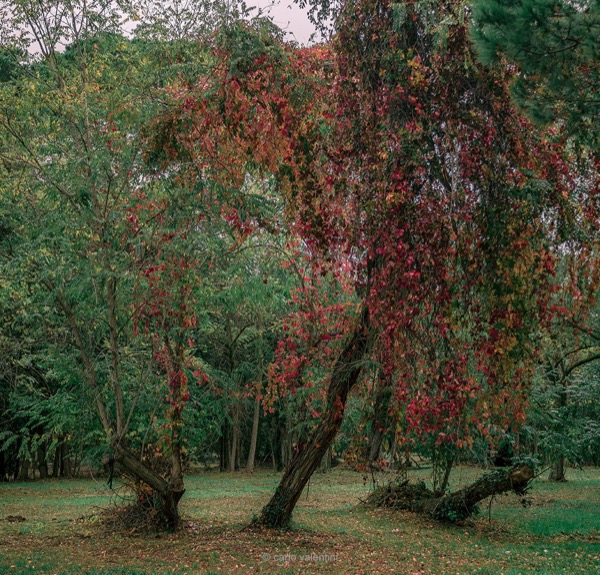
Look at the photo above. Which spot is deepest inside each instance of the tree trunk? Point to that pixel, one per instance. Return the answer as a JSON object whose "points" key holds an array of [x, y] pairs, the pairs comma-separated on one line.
{"points": [[56, 462], [224, 447], [254, 436], [446, 477], [23, 469], [326, 462], [168, 493], [278, 512], [441, 475], [235, 436], [287, 448], [455, 506], [174, 489], [65, 462], [380, 423], [41, 462], [258, 391], [462, 503], [557, 473]]}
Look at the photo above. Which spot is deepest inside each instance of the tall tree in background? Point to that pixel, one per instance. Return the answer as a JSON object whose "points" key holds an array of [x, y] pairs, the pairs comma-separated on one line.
{"points": [[555, 47], [562, 428]]}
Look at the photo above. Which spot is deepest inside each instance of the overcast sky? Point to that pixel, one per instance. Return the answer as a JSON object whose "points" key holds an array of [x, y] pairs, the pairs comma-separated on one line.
{"points": [[289, 17], [285, 13]]}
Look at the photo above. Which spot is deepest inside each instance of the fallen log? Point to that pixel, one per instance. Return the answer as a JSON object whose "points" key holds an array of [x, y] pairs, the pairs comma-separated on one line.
{"points": [[452, 507]]}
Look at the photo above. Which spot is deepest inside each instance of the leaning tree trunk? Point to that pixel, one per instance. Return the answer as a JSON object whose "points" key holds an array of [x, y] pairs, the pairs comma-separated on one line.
{"points": [[278, 512], [463, 503], [455, 506], [166, 493]]}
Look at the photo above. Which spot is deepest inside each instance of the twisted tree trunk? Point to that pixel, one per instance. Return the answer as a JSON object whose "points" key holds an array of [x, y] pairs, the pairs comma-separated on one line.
{"points": [[278, 512], [167, 493]]}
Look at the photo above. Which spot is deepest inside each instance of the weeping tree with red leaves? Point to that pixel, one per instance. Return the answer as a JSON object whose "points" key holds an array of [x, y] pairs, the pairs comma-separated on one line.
{"points": [[434, 209]]}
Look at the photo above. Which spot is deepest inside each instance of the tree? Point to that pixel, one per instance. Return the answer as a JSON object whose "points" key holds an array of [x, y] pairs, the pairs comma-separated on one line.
{"points": [[102, 244], [405, 163], [236, 339], [181, 20], [555, 46], [418, 191], [563, 428]]}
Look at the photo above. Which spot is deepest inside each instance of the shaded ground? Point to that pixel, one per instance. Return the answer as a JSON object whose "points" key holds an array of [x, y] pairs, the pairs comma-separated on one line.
{"points": [[559, 533]]}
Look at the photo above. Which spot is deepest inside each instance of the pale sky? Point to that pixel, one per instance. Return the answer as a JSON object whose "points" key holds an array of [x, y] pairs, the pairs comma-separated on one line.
{"points": [[285, 13], [289, 17]]}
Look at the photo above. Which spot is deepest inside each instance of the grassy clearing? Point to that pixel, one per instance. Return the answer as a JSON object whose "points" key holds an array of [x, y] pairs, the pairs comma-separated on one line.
{"points": [[557, 534]]}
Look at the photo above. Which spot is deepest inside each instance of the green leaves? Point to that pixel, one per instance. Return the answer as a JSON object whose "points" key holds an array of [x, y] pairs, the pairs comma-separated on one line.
{"points": [[554, 44]]}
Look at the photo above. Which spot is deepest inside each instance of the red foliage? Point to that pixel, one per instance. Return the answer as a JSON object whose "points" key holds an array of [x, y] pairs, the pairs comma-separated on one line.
{"points": [[415, 189]]}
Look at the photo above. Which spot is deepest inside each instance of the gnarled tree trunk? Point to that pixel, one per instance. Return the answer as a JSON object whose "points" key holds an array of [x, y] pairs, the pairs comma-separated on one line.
{"points": [[454, 506], [278, 512], [166, 493]]}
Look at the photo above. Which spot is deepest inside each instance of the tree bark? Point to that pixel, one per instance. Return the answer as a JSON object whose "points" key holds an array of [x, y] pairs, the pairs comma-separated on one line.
{"points": [[168, 492], [224, 447], [41, 462], [439, 487], [455, 506], [56, 462], [278, 512], [235, 435], [256, 415], [65, 463], [326, 461], [254, 435], [380, 423], [23, 469], [175, 486], [557, 473]]}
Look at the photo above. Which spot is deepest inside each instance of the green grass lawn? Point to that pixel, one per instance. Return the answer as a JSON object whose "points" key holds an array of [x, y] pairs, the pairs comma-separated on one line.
{"points": [[557, 533]]}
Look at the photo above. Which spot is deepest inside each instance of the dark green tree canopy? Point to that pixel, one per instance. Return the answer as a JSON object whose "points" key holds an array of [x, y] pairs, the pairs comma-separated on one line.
{"points": [[555, 45]]}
